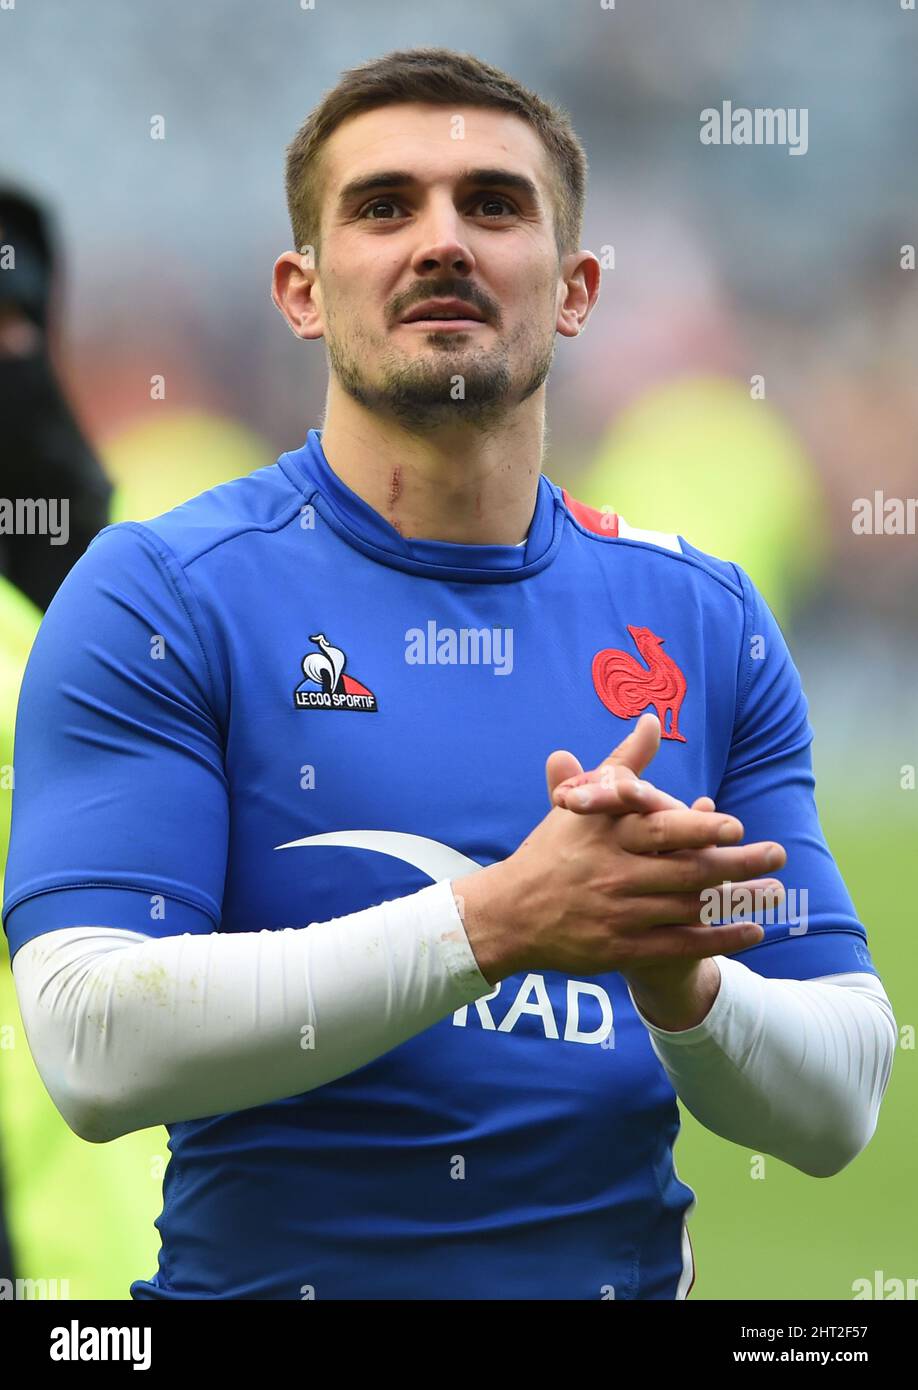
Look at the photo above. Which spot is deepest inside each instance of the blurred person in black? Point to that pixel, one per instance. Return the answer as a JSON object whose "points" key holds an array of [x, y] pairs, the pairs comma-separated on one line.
{"points": [[43, 453]]}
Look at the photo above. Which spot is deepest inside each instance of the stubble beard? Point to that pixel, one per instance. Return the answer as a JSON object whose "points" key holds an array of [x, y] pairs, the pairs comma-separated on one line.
{"points": [[448, 384]]}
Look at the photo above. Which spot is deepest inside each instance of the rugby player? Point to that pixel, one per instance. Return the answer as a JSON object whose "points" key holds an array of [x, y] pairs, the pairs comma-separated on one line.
{"points": [[281, 873]]}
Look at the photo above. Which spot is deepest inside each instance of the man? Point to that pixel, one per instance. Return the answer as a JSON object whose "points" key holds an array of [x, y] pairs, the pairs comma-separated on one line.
{"points": [[268, 740], [55, 500], [48, 469]]}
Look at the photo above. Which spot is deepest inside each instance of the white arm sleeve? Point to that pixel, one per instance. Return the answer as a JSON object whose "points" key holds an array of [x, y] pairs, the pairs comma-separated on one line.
{"points": [[794, 1068], [129, 1030]]}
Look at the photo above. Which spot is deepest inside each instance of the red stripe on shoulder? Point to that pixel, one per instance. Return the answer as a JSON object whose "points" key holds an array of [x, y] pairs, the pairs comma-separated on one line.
{"points": [[603, 523]]}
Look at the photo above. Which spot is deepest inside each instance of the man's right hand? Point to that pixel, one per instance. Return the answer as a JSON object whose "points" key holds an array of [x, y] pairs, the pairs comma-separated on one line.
{"points": [[588, 894]]}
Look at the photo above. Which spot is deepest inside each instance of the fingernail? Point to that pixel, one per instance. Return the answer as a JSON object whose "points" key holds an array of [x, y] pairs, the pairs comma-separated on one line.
{"points": [[729, 833], [773, 858], [583, 796]]}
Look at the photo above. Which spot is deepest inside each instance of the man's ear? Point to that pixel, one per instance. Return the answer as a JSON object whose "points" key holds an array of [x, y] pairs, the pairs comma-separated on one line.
{"points": [[581, 273], [294, 285]]}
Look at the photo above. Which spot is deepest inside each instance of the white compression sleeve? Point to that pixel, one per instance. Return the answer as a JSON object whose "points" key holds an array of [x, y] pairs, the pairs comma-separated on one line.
{"points": [[794, 1068], [129, 1030]]}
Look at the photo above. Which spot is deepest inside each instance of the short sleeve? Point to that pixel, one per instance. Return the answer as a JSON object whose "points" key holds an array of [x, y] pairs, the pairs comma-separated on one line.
{"points": [[120, 802], [769, 784]]}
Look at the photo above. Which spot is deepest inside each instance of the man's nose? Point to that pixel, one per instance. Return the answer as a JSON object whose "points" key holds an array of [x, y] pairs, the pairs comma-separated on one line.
{"points": [[442, 244]]}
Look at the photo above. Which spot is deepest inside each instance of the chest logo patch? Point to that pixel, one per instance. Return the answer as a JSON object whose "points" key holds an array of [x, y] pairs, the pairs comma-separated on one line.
{"points": [[626, 687], [325, 685]]}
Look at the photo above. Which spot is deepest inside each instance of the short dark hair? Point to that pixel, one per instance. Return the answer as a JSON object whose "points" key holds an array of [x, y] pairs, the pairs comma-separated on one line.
{"points": [[440, 77]]}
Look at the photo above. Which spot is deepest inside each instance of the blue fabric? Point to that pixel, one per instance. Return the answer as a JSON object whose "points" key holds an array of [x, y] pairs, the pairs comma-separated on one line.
{"points": [[171, 741]]}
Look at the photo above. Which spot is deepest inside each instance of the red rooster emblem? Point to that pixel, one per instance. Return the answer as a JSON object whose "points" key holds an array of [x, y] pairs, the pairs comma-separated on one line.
{"points": [[627, 688]]}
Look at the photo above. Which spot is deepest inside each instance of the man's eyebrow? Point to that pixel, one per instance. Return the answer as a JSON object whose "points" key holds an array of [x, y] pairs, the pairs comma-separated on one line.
{"points": [[401, 178]]}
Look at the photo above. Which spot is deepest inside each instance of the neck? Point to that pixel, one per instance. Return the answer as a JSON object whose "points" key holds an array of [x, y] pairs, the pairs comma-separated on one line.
{"points": [[454, 483]]}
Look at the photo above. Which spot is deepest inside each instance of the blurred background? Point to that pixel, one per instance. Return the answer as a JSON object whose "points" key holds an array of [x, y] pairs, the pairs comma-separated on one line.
{"points": [[748, 374]]}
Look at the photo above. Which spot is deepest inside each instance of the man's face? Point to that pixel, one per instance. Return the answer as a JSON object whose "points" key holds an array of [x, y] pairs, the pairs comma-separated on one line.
{"points": [[410, 213]]}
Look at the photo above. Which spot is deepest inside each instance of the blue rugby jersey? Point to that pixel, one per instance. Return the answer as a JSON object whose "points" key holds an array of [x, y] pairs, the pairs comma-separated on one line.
{"points": [[271, 662]]}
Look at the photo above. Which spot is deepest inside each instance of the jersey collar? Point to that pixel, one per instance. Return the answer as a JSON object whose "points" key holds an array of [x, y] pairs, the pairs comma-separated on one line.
{"points": [[357, 523]]}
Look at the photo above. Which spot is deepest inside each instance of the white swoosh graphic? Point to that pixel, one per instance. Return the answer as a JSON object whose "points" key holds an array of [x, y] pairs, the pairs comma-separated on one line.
{"points": [[432, 857]]}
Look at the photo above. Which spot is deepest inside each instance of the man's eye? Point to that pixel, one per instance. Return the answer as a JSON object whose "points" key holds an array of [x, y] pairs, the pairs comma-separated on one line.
{"points": [[379, 203], [503, 205]]}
